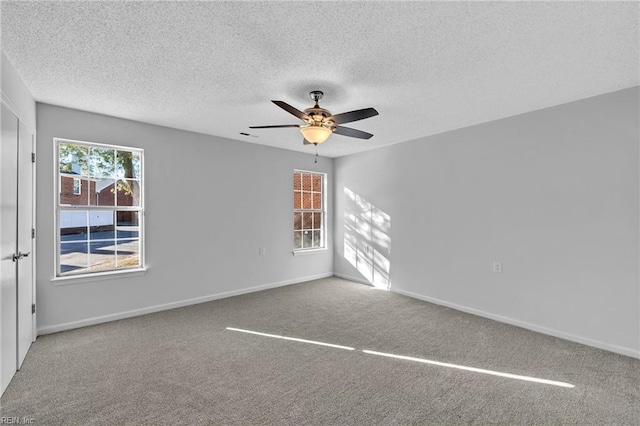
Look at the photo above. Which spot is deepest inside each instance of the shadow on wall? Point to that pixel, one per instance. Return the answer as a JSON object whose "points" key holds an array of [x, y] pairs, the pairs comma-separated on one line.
{"points": [[367, 244]]}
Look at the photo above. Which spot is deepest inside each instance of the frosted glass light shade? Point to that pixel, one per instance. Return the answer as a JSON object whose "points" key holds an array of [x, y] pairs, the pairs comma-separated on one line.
{"points": [[316, 134]]}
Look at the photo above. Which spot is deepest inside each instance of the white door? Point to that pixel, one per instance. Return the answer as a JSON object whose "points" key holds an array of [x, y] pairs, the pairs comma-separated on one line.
{"points": [[25, 241], [8, 247]]}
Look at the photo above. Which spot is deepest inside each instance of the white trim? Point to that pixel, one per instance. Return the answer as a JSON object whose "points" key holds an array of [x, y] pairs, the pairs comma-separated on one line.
{"points": [[540, 329], [34, 317], [301, 252], [172, 305], [97, 276], [99, 145], [21, 115], [351, 278], [76, 179]]}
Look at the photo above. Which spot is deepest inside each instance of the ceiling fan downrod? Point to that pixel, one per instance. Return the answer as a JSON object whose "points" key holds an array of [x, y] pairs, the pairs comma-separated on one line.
{"points": [[316, 95]]}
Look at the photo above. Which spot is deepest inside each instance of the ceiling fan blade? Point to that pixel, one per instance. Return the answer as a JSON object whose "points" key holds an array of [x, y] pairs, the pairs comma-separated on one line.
{"points": [[291, 110], [359, 114], [353, 133], [278, 126]]}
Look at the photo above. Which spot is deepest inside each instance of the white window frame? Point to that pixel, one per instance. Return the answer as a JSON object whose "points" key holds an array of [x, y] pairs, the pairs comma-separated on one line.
{"points": [[79, 187], [106, 274], [323, 229]]}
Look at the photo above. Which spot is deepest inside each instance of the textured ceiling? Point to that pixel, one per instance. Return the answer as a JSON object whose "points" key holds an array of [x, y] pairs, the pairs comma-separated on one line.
{"points": [[213, 67]]}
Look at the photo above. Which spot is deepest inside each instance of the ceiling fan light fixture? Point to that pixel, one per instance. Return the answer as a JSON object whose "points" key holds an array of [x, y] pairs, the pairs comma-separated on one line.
{"points": [[316, 134]]}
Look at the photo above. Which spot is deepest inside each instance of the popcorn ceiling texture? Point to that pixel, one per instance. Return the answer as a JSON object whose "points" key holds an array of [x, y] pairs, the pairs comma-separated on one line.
{"points": [[427, 67]]}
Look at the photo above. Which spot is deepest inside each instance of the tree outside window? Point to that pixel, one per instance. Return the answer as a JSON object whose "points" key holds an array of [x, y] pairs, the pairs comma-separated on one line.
{"points": [[99, 208]]}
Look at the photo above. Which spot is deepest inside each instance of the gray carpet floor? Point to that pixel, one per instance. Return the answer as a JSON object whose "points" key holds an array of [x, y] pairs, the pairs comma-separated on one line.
{"points": [[184, 366]]}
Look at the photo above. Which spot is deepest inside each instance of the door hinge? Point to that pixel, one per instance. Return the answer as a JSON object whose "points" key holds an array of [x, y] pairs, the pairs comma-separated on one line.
{"points": [[33, 232], [33, 308], [33, 157]]}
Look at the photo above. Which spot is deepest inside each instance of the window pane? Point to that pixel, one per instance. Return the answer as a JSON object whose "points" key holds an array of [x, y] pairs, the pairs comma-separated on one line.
{"points": [[73, 225], [317, 201], [103, 193], [297, 181], [307, 220], [72, 159], [317, 183], [317, 238], [128, 165], [127, 225], [297, 200], [128, 253], [73, 257], [102, 162], [73, 190], [128, 192], [297, 221], [317, 220], [306, 182], [307, 239], [101, 225], [297, 239], [306, 200], [102, 255]]}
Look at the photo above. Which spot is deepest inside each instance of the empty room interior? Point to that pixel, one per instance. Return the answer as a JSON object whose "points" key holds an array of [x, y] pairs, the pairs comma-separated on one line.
{"points": [[333, 213]]}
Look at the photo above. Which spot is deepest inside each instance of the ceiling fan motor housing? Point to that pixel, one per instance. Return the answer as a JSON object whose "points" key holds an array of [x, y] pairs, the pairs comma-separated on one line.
{"points": [[318, 116]]}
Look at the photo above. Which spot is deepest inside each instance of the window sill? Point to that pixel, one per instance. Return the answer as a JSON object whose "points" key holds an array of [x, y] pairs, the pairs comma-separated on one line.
{"points": [[98, 276], [308, 251]]}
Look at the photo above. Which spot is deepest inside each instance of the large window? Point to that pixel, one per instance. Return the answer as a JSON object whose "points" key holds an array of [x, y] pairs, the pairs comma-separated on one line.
{"points": [[308, 210], [99, 208]]}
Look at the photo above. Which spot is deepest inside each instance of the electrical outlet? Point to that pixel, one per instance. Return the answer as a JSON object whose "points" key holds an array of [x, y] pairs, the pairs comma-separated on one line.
{"points": [[497, 266], [262, 251]]}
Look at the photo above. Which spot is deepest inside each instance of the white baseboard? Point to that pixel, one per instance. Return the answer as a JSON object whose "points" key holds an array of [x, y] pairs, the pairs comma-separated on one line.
{"points": [[351, 278], [157, 308], [179, 304], [533, 327]]}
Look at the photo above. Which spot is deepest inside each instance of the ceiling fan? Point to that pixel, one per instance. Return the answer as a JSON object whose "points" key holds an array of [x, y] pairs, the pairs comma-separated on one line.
{"points": [[318, 123]]}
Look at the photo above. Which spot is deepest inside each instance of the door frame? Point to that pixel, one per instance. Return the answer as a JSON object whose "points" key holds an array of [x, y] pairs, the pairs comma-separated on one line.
{"points": [[16, 111]]}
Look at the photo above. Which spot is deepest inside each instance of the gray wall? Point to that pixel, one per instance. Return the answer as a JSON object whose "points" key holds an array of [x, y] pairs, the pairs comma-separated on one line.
{"points": [[210, 204], [552, 194]]}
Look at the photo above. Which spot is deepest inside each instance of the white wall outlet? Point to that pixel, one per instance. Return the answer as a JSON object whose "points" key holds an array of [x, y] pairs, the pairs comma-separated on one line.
{"points": [[497, 266], [262, 251]]}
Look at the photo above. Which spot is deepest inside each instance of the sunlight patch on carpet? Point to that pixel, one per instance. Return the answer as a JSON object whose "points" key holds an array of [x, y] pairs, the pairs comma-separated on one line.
{"points": [[294, 339], [473, 369]]}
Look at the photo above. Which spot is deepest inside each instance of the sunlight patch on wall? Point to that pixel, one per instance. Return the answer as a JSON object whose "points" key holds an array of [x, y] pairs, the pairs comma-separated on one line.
{"points": [[367, 240]]}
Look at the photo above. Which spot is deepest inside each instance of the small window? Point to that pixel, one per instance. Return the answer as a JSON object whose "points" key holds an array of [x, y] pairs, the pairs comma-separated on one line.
{"points": [[99, 209], [77, 186], [309, 210]]}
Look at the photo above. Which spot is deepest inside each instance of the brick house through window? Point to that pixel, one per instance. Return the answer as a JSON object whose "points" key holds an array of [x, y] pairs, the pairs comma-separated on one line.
{"points": [[99, 211], [308, 210]]}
